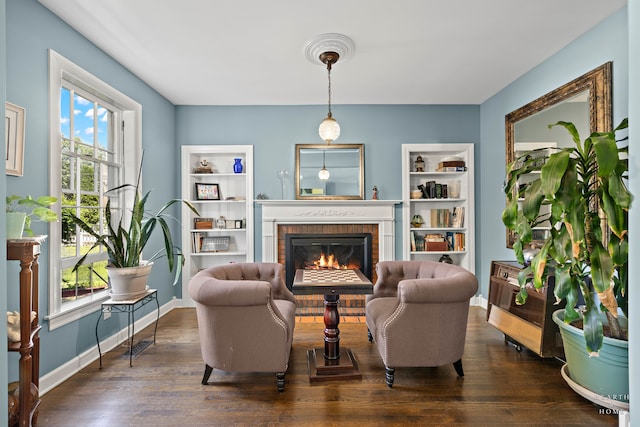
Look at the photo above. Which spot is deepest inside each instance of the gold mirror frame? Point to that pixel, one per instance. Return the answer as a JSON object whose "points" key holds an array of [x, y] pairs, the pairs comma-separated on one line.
{"points": [[356, 175], [596, 81]]}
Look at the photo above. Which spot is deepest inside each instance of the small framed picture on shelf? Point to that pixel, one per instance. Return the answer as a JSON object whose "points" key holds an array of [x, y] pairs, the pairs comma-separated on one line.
{"points": [[215, 243], [238, 223], [207, 191]]}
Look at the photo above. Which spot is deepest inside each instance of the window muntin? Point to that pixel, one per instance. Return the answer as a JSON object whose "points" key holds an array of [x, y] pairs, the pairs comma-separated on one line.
{"points": [[89, 154]]}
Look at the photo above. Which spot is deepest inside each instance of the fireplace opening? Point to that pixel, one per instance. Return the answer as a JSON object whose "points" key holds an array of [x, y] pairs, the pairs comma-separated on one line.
{"points": [[327, 251]]}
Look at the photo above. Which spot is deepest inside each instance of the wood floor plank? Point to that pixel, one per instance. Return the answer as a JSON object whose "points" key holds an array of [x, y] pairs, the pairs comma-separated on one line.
{"points": [[501, 387]]}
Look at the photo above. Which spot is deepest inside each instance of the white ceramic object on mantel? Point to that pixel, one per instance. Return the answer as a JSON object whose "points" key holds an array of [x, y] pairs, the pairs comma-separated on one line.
{"points": [[130, 282]]}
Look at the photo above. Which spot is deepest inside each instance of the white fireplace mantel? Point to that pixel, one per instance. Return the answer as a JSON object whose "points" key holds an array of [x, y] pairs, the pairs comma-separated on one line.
{"points": [[276, 212]]}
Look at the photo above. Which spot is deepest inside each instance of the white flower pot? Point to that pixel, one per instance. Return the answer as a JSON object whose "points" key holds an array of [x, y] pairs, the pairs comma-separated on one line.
{"points": [[130, 282]]}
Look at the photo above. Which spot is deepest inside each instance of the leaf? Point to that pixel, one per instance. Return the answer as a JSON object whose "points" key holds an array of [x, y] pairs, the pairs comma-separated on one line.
{"points": [[552, 172], [593, 331], [601, 267], [533, 198], [570, 127], [606, 149]]}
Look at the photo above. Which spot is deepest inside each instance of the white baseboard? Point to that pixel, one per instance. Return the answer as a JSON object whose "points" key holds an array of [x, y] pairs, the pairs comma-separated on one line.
{"points": [[479, 301], [73, 366]]}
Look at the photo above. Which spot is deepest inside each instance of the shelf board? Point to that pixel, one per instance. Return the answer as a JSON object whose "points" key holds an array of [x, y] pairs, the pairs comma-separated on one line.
{"points": [[452, 173], [216, 201], [220, 253], [221, 230], [438, 229], [448, 199], [437, 252], [210, 175]]}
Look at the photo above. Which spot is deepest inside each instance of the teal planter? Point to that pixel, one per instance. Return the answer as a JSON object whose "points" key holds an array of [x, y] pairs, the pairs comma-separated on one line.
{"points": [[15, 224], [606, 375]]}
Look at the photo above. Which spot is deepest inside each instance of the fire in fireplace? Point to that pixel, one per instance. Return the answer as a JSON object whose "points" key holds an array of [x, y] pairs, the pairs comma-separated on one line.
{"points": [[327, 251]]}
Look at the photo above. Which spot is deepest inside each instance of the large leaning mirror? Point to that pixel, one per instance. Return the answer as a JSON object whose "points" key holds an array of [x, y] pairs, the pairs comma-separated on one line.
{"points": [[585, 101], [329, 171]]}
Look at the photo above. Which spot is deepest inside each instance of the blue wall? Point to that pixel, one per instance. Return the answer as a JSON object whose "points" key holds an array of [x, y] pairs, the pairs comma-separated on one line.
{"points": [[274, 131], [605, 42], [30, 31]]}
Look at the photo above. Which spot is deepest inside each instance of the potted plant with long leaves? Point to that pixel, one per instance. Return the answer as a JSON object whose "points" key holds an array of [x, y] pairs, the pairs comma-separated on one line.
{"points": [[125, 238], [581, 192]]}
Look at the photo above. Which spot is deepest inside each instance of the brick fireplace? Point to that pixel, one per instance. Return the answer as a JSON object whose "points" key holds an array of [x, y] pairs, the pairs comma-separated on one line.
{"points": [[282, 219]]}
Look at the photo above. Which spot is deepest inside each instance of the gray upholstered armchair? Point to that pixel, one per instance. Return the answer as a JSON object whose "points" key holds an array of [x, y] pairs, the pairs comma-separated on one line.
{"points": [[418, 312], [246, 317]]}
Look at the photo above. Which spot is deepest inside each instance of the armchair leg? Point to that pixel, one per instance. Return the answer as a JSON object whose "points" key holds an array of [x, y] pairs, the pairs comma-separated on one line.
{"points": [[369, 335], [207, 373], [280, 379], [458, 367], [389, 372]]}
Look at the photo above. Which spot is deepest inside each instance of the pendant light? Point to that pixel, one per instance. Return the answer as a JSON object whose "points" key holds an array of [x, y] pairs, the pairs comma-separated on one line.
{"points": [[326, 49], [329, 129], [324, 174]]}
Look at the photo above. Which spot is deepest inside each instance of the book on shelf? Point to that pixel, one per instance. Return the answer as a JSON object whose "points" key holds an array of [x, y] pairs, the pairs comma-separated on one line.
{"points": [[451, 169], [451, 163], [455, 241], [440, 218], [457, 217], [434, 237], [197, 241], [413, 241]]}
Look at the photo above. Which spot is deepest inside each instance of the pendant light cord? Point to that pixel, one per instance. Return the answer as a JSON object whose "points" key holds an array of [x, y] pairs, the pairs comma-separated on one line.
{"points": [[329, 77]]}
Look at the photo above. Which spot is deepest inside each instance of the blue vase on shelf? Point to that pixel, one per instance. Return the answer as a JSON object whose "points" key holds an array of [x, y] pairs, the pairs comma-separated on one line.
{"points": [[237, 166]]}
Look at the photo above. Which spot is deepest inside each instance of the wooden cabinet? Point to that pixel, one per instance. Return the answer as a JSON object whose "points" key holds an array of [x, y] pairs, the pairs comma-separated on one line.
{"points": [[529, 325], [223, 195], [444, 199], [27, 251]]}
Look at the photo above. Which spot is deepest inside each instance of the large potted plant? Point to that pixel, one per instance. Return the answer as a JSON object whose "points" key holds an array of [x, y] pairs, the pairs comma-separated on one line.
{"points": [[125, 238], [582, 189], [23, 210]]}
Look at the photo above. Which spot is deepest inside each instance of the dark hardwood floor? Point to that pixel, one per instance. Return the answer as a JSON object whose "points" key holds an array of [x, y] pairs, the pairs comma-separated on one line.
{"points": [[501, 387]]}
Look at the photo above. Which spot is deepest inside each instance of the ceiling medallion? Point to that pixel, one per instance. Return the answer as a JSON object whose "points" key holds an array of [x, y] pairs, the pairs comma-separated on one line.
{"points": [[330, 42]]}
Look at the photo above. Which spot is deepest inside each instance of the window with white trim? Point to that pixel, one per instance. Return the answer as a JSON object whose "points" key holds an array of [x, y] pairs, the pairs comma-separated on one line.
{"points": [[95, 145]]}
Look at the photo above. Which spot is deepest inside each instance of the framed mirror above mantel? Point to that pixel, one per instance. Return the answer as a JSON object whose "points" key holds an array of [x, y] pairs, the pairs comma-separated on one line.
{"points": [[330, 172], [585, 101]]}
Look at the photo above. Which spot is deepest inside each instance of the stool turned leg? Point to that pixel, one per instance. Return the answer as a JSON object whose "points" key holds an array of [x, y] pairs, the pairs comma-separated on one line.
{"points": [[389, 375], [280, 379]]}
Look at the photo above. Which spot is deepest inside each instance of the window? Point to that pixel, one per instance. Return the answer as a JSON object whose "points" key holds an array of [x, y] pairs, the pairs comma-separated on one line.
{"points": [[95, 145]]}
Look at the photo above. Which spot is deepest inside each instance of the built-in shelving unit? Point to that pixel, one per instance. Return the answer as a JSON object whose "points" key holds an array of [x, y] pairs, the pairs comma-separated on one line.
{"points": [[224, 197], [446, 203]]}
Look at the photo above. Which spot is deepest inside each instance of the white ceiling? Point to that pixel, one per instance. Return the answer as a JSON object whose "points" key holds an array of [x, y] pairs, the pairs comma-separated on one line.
{"points": [[251, 52]]}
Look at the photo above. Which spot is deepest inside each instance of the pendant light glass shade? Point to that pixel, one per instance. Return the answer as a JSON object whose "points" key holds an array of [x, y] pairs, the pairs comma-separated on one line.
{"points": [[329, 129], [324, 174]]}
